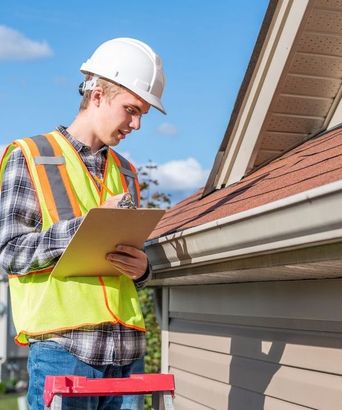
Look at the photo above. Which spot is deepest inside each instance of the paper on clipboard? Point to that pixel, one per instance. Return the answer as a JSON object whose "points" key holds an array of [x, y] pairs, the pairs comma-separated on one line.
{"points": [[99, 233]]}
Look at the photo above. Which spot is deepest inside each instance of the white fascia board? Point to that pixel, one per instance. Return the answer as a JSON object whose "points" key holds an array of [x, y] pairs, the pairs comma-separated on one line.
{"points": [[337, 117], [308, 218], [261, 92]]}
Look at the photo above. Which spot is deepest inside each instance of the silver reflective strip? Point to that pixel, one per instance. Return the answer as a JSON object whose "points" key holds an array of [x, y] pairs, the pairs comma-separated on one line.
{"points": [[50, 163], [127, 172], [49, 160]]}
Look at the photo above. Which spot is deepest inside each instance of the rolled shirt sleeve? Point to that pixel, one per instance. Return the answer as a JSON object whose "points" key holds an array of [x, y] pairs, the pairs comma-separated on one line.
{"points": [[144, 279]]}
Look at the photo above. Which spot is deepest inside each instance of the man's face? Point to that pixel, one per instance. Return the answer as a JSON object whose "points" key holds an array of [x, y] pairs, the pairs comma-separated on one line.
{"points": [[118, 116]]}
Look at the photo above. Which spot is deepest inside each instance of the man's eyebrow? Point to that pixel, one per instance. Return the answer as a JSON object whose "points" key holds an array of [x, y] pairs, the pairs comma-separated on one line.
{"points": [[139, 109]]}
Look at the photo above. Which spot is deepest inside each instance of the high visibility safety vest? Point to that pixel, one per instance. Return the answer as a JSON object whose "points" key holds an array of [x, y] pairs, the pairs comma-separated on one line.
{"points": [[65, 189]]}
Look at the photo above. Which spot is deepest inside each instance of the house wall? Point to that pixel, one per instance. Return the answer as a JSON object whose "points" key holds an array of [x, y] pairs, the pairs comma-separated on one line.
{"points": [[267, 345], [12, 357], [3, 322]]}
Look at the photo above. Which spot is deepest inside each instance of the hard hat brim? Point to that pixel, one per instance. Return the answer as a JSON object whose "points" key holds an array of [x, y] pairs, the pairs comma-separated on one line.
{"points": [[149, 98]]}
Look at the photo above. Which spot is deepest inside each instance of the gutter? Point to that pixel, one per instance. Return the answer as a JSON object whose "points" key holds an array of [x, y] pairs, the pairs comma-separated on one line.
{"points": [[308, 218]]}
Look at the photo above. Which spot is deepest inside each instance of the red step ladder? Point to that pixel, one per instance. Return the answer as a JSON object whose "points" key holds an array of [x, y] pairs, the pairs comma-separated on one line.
{"points": [[161, 386]]}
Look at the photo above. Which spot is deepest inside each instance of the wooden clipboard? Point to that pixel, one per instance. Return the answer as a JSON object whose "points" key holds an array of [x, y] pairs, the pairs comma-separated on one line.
{"points": [[99, 233]]}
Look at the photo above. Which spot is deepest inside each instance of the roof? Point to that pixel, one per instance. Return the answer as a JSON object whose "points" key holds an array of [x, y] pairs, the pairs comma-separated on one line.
{"points": [[312, 164], [290, 91]]}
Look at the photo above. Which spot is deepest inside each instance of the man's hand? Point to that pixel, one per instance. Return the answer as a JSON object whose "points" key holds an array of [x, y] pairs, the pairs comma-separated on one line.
{"points": [[112, 202], [130, 261]]}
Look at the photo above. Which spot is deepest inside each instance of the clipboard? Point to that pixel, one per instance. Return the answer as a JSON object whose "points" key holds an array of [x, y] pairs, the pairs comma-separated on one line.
{"points": [[99, 233]]}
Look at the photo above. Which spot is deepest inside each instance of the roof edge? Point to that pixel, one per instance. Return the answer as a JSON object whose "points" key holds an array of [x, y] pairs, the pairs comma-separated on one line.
{"points": [[263, 33], [311, 217]]}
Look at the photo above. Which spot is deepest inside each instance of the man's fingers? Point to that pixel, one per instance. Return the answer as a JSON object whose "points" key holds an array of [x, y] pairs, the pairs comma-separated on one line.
{"points": [[122, 269], [122, 260], [125, 270], [112, 202], [133, 264], [130, 250]]}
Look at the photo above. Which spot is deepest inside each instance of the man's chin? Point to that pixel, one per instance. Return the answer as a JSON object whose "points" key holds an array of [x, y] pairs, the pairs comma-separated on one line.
{"points": [[114, 141]]}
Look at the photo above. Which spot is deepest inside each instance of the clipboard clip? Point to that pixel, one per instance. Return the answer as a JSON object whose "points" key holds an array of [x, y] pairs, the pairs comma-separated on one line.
{"points": [[127, 202]]}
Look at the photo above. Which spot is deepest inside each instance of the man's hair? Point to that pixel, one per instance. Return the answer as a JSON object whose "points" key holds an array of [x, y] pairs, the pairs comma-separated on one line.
{"points": [[110, 90]]}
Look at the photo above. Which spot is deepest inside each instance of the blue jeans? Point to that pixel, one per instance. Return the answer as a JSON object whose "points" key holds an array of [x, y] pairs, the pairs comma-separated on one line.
{"points": [[49, 358]]}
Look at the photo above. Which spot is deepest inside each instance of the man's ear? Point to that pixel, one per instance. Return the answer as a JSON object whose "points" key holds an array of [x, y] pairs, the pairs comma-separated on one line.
{"points": [[96, 96]]}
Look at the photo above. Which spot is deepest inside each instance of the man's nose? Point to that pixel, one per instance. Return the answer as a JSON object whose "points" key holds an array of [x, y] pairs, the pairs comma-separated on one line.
{"points": [[135, 122]]}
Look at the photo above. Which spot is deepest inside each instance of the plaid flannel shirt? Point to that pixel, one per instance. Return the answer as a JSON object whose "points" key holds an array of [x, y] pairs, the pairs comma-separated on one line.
{"points": [[24, 248]]}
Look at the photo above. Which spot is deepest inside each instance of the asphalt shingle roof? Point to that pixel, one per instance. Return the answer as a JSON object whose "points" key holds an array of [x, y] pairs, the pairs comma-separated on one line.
{"points": [[312, 164]]}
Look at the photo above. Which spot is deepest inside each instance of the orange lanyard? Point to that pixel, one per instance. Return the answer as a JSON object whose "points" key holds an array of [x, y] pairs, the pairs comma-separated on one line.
{"points": [[99, 180]]}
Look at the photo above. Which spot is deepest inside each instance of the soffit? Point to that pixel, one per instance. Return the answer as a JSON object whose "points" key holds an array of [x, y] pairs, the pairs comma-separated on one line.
{"points": [[305, 98], [301, 100]]}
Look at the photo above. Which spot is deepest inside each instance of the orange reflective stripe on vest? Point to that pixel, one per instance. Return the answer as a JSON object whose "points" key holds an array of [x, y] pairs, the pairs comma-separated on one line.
{"points": [[65, 180], [57, 189]]}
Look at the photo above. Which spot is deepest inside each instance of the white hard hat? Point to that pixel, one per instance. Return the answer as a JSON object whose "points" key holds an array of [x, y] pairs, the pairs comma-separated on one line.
{"points": [[131, 63]]}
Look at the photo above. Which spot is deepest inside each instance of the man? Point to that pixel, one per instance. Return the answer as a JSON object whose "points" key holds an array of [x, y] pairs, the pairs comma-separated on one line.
{"points": [[89, 326]]}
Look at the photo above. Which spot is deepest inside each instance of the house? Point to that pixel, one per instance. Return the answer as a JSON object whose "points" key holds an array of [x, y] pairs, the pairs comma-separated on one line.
{"points": [[12, 357], [249, 268]]}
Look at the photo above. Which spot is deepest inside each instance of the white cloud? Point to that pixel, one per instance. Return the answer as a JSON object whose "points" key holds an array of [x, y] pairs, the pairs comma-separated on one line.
{"points": [[180, 176], [167, 128], [15, 46], [126, 155]]}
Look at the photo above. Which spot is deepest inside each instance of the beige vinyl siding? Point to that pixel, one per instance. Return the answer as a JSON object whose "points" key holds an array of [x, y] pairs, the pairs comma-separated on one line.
{"points": [[220, 396], [257, 346], [181, 402]]}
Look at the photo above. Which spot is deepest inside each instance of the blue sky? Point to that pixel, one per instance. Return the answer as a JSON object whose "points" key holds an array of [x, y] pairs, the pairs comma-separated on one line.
{"points": [[205, 47]]}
